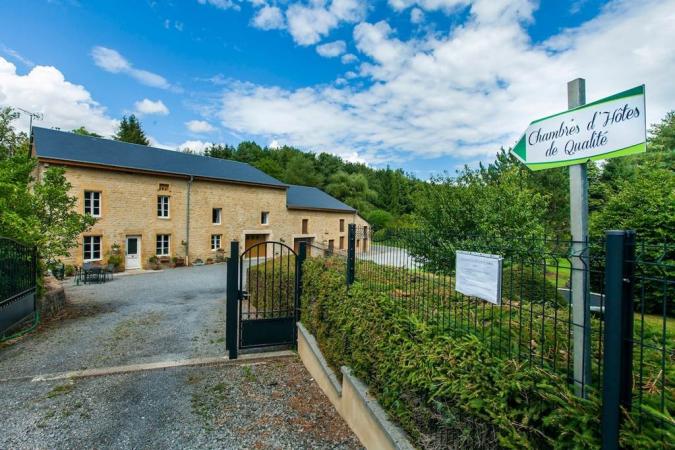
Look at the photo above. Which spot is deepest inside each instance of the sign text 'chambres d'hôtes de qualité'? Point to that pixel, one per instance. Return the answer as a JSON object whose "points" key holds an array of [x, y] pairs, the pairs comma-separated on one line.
{"points": [[607, 128]]}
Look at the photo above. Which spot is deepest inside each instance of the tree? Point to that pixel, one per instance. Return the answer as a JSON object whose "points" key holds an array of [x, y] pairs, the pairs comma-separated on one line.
{"points": [[36, 212], [82, 131], [300, 170], [11, 142], [471, 207], [130, 130], [352, 189], [379, 219]]}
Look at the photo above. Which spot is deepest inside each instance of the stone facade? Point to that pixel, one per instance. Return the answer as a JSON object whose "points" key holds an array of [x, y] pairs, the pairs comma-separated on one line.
{"points": [[128, 207]]}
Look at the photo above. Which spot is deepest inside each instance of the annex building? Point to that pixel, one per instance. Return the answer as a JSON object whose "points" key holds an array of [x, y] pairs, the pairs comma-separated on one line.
{"points": [[154, 202]]}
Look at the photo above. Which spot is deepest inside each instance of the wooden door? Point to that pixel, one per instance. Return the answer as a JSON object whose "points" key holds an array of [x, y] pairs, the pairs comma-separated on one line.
{"points": [[259, 251]]}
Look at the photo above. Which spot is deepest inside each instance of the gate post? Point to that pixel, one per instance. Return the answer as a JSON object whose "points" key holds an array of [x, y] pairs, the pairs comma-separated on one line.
{"points": [[302, 255], [232, 319], [618, 347], [351, 253]]}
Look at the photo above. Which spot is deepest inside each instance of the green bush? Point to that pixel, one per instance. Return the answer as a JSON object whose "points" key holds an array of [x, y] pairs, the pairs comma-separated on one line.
{"points": [[271, 287], [446, 390]]}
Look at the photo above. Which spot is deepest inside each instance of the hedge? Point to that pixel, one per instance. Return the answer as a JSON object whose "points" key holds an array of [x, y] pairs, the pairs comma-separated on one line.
{"points": [[444, 390]]}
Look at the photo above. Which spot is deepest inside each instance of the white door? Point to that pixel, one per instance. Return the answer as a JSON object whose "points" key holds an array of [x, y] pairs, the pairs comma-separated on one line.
{"points": [[133, 253]]}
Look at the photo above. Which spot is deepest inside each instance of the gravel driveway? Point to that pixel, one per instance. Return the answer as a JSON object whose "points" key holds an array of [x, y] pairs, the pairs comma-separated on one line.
{"points": [[172, 315], [269, 405], [149, 317]]}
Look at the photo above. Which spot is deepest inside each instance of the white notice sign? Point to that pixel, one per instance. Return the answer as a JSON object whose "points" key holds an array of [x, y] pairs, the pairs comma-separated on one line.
{"points": [[479, 275]]}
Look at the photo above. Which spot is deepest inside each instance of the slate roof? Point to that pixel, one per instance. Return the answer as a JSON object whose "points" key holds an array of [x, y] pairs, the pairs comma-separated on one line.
{"points": [[305, 197], [66, 146]]}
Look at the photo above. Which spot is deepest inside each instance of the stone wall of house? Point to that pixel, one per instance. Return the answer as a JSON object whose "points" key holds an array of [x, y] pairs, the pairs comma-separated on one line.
{"points": [[129, 208]]}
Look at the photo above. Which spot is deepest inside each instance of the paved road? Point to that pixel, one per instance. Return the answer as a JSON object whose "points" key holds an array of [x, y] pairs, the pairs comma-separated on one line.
{"points": [[175, 314], [389, 256]]}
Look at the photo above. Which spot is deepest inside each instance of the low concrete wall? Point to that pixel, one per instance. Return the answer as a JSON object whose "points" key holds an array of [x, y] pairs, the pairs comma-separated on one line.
{"points": [[351, 399]]}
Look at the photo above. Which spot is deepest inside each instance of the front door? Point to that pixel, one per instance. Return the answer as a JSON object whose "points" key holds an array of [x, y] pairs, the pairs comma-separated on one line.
{"points": [[133, 253]]}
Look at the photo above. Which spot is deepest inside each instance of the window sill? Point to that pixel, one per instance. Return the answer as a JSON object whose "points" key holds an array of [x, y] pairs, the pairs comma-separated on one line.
{"points": [[164, 218]]}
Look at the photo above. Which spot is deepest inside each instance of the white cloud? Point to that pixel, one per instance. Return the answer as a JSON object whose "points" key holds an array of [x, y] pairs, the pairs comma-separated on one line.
{"points": [[17, 56], [307, 24], [196, 146], [199, 126], [348, 58], [416, 15], [45, 90], [331, 49], [274, 144], [148, 107], [112, 61], [269, 18], [468, 92], [221, 4]]}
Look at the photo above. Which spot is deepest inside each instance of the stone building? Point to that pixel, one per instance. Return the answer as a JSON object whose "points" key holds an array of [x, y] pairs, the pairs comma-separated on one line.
{"points": [[154, 202]]}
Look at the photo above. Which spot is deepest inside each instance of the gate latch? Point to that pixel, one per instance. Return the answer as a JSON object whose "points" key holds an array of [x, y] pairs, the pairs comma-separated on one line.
{"points": [[243, 295]]}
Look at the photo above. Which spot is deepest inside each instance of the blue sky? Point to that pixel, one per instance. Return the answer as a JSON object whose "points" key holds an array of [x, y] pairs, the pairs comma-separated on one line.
{"points": [[426, 85]]}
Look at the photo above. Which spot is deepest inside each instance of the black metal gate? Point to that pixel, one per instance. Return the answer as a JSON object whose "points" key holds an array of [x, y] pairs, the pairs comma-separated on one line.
{"points": [[18, 275], [264, 285]]}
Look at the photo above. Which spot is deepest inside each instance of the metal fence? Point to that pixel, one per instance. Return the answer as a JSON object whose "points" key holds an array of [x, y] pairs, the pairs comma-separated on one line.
{"points": [[630, 330], [18, 271]]}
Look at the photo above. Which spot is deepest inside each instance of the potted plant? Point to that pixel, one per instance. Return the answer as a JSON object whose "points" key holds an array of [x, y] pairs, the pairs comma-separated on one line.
{"points": [[209, 260], [154, 262], [220, 255], [179, 261]]}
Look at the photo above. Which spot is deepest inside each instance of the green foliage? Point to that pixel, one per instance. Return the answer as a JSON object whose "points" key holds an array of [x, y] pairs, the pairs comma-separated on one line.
{"points": [[436, 384], [59, 223], [353, 189], [379, 219], [82, 131], [448, 389], [11, 142], [474, 206], [271, 287], [36, 212], [130, 130]]}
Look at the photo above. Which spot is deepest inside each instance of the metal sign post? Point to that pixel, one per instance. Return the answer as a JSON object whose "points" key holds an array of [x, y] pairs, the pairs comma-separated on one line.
{"points": [[580, 286]]}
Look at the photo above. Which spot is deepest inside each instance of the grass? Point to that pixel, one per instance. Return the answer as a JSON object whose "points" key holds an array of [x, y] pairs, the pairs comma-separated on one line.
{"points": [[61, 389]]}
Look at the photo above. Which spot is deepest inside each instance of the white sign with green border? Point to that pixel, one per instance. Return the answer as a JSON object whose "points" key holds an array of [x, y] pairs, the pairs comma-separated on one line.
{"points": [[607, 128]]}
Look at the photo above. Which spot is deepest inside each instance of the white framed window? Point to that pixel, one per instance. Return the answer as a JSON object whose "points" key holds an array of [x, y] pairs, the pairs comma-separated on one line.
{"points": [[265, 217], [92, 248], [215, 241], [216, 215], [163, 206], [163, 244], [92, 203]]}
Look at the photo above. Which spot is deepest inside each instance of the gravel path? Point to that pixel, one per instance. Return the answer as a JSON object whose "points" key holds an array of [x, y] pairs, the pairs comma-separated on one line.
{"points": [[173, 315], [149, 317], [267, 405]]}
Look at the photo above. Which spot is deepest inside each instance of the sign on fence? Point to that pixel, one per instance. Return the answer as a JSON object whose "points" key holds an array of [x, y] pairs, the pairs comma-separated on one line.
{"points": [[607, 128], [479, 275]]}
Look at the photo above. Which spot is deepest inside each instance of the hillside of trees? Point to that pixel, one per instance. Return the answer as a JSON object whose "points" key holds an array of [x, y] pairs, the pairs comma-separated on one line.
{"points": [[385, 197]]}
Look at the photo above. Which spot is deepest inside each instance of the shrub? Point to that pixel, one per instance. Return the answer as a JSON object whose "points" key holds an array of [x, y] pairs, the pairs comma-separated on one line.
{"points": [[271, 286], [446, 390], [69, 270]]}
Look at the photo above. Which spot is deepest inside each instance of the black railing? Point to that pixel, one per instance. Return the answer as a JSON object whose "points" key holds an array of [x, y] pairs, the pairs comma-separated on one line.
{"points": [[18, 273]]}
